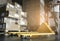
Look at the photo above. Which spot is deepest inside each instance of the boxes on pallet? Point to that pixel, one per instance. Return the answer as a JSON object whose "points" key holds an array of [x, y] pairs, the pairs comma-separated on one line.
{"points": [[11, 24], [16, 17]]}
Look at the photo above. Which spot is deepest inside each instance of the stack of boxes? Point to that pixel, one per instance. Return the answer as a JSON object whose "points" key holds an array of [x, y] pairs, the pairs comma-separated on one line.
{"points": [[23, 21], [16, 19]]}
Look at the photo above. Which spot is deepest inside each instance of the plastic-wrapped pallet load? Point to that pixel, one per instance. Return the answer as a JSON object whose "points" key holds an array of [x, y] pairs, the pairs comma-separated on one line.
{"points": [[23, 17], [18, 7], [11, 25], [10, 7], [24, 14], [15, 18], [23, 21], [23, 25], [12, 19]]}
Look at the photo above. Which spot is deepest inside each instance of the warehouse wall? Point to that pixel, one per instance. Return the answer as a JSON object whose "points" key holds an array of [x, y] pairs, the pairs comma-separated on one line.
{"points": [[32, 7]]}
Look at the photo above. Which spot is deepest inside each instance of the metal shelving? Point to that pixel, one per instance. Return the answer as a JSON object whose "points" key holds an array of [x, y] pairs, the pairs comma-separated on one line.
{"points": [[56, 10]]}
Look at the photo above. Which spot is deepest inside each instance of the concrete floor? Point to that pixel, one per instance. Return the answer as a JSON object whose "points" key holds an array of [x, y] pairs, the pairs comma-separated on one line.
{"points": [[3, 38]]}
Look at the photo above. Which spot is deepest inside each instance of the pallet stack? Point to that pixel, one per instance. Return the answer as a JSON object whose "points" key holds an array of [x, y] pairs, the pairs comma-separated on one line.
{"points": [[16, 19]]}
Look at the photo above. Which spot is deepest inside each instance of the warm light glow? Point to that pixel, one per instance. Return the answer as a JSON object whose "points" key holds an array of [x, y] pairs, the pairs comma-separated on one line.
{"points": [[42, 12], [42, 18], [42, 2]]}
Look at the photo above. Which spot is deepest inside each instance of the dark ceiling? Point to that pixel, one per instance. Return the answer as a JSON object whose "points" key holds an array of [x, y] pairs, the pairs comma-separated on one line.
{"points": [[18, 1]]}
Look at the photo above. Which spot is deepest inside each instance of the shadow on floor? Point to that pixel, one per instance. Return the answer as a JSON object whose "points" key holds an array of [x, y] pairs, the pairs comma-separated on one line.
{"points": [[3, 38]]}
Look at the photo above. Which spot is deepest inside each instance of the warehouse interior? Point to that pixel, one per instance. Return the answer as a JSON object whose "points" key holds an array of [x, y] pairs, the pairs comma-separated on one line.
{"points": [[30, 20]]}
